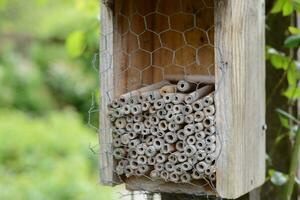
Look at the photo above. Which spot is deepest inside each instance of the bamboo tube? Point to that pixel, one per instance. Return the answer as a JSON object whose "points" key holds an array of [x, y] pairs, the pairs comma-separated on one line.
{"points": [[192, 160], [126, 109], [189, 129], [120, 123], [163, 125], [152, 110], [154, 86], [117, 113], [210, 130], [169, 117], [185, 178], [180, 134], [143, 169], [138, 118], [129, 127], [132, 135], [200, 155], [208, 100], [154, 119], [210, 158], [142, 160], [146, 115], [196, 175], [209, 110], [209, 79], [177, 109], [212, 177], [161, 113], [117, 142], [209, 170], [170, 167], [191, 140], [123, 163], [178, 170], [132, 153], [164, 175], [178, 98], [151, 161], [200, 145], [160, 158], [179, 119], [132, 100], [197, 105], [152, 96], [119, 170], [189, 118], [150, 151], [174, 177], [198, 127], [159, 104], [145, 131], [199, 116], [210, 148], [160, 134], [115, 103], [119, 131], [186, 166], [194, 96], [185, 86], [159, 167], [200, 135], [138, 127], [149, 140], [171, 137], [208, 121], [155, 174], [158, 143], [141, 148], [179, 146], [168, 98], [145, 106], [118, 153], [201, 167], [125, 139], [141, 98], [154, 130], [188, 109], [136, 109], [167, 148], [129, 118], [133, 164], [169, 107], [172, 158], [147, 123], [134, 143], [210, 140], [167, 89], [190, 150], [128, 171], [172, 126], [182, 157]]}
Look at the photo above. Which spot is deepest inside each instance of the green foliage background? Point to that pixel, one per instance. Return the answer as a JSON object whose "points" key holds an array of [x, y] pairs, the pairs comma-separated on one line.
{"points": [[48, 59]]}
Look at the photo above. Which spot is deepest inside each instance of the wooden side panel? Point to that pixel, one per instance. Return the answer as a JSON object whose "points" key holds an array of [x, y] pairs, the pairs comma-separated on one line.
{"points": [[107, 175], [240, 96]]}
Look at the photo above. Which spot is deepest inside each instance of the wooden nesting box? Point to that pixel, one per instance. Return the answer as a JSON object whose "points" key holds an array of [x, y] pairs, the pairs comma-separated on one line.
{"points": [[147, 41]]}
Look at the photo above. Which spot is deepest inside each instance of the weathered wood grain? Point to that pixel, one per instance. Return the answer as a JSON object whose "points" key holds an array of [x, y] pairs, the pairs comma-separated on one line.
{"points": [[106, 73], [240, 95]]}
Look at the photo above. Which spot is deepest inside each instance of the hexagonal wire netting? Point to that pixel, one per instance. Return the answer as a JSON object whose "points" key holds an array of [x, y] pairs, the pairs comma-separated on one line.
{"points": [[156, 41]]}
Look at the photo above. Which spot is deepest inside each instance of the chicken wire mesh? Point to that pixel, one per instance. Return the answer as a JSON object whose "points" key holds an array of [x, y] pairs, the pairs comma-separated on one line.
{"points": [[159, 100]]}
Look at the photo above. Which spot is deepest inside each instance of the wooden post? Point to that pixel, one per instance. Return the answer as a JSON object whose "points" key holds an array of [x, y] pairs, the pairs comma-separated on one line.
{"points": [[240, 96]]}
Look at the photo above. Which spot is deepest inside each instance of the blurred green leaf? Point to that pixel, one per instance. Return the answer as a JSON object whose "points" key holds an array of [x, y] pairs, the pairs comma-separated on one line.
{"points": [[278, 6], [2, 4], [293, 93], [293, 30], [277, 178], [75, 43], [287, 8], [292, 41]]}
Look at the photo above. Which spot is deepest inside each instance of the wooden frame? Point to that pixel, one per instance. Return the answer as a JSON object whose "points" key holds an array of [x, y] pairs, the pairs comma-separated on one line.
{"points": [[240, 100]]}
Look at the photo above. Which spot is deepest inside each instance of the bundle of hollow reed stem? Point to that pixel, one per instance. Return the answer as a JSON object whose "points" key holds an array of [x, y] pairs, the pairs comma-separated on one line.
{"points": [[165, 131]]}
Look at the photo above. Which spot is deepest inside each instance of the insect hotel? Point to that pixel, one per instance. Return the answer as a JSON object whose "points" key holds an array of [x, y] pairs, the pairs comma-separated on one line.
{"points": [[183, 96]]}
